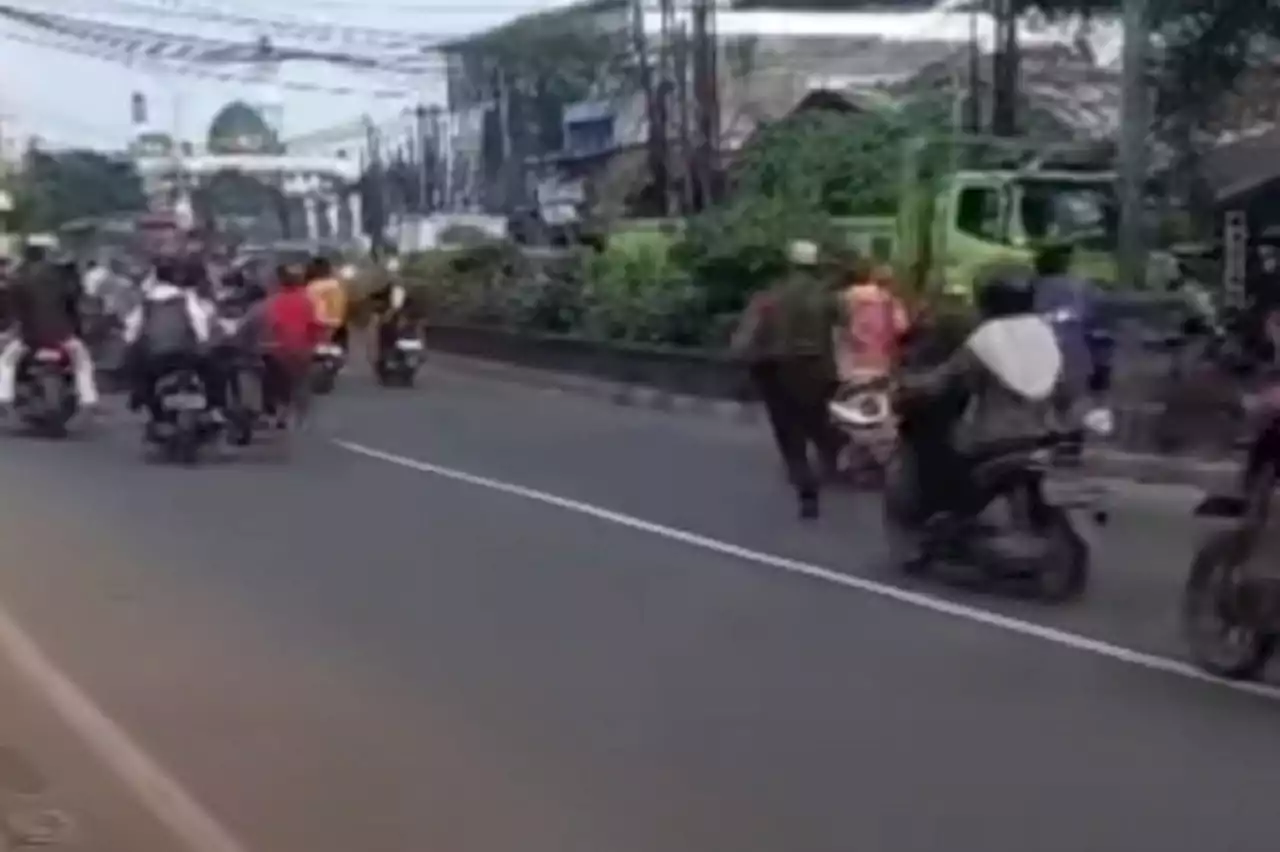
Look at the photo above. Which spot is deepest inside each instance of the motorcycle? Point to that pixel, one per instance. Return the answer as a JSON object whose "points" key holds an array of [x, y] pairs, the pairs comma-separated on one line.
{"points": [[398, 363], [863, 413], [326, 362], [1044, 540], [1231, 600], [45, 394], [185, 423]]}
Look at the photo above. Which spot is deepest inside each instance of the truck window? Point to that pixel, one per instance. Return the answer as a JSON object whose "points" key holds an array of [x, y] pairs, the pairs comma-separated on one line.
{"points": [[978, 212]]}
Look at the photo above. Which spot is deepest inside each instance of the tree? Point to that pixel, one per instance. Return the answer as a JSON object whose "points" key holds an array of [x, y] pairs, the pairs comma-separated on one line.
{"points": [[55, 187], [838, 163]]}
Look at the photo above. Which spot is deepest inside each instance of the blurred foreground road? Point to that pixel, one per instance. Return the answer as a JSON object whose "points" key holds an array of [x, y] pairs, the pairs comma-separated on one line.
{"points": [[349, 653]]}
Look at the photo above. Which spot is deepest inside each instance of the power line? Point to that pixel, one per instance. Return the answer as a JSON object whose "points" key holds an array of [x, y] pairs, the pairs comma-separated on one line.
{"points": [[155, 66]]}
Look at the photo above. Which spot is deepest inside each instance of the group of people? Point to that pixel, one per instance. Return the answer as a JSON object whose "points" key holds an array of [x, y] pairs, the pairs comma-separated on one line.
{"points": [[176, 324], [1024, 359]]}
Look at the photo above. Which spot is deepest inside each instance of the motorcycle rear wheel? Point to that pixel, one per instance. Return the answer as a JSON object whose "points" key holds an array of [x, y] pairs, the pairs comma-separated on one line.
{"points": [[1064, 575], [904, 536]]}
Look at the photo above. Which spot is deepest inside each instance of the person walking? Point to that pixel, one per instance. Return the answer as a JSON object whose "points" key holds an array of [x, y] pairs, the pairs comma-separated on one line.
{"points": [[785, 338]]}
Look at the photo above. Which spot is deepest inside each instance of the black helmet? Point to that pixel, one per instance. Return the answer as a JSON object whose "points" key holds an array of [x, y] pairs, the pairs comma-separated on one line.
{"points": [[1004, 292], [168, 270]]}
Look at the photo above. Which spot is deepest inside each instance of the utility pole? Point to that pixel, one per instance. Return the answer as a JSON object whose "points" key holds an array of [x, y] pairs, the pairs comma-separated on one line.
{"points": [[1135, 123], [1004, 104], [657, 147], [374, 203], [706, 89], [420, 130], [686, 157], [973, 118], [666, 96]]}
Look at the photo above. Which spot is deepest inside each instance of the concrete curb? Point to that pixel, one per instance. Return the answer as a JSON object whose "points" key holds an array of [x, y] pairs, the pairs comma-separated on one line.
{"points": [[1106, 462]]}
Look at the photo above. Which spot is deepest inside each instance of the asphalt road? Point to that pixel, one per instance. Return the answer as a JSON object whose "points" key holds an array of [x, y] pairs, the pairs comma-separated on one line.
{"points": [[340, 652]]}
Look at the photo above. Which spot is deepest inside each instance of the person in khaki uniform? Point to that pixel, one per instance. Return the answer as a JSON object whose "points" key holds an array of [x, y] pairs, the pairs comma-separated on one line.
{"points": [[785, 338]]}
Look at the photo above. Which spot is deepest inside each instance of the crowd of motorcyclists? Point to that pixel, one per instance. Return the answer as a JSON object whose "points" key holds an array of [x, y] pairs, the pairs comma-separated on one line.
{"points": [[182, 315]]}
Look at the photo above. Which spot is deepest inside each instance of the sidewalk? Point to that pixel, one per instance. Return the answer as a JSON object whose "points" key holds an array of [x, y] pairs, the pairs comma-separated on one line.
{"points": [[54, 794], [1154, 469]]}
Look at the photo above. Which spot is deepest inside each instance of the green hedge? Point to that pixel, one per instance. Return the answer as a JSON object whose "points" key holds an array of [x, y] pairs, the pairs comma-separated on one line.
{"points": [[675, 289]]}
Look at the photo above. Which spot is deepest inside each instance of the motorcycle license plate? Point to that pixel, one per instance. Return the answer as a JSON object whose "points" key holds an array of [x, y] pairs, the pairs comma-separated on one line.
{"points": [[185, 402], [409, 345], [329, 351], [49, 356]]}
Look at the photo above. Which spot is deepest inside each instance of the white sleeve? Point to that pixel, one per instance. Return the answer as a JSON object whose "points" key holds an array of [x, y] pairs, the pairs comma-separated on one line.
{"points": [[133, 325], [201, 318]]}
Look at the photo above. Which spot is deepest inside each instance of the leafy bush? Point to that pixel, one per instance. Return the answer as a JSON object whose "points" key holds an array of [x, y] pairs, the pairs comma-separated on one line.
{"points": [[735, 251], [636, 293], [843, 164]]}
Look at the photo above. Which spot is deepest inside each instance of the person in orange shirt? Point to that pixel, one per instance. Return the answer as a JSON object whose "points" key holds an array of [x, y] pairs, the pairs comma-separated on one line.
{"points": [[873, 322], [329, 297]]}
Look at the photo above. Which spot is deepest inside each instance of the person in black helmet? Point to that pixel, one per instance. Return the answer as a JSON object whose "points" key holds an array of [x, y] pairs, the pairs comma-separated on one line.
{"points": [[171, 330], [997, 387]]}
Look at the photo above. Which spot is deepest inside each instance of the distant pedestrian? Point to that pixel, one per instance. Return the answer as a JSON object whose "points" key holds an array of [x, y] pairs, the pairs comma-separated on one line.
{"points": [[785, 337]]}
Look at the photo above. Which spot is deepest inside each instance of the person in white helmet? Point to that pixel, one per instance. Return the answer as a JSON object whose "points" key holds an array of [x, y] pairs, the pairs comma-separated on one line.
{"points": [[785, 337]]}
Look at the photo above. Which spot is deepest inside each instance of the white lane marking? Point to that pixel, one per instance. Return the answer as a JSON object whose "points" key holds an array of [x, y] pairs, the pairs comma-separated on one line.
{"points": [[162, 796], [919, 600]]}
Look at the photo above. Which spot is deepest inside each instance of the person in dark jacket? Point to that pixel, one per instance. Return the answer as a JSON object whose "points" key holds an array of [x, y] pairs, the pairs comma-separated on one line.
{"points": [[997, 387], [785, 337], [44, 298]]}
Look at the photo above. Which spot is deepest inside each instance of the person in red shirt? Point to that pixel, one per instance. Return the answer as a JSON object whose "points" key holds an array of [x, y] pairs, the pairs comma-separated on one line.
{"points": [[291, 332]]}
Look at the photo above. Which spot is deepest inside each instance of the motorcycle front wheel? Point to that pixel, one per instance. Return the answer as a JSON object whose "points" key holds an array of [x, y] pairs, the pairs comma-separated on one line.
{"points": [[1220, 642]]}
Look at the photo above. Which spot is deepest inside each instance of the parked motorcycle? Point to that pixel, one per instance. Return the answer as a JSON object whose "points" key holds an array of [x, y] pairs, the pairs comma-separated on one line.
{"points": [[398, 364], [1231, 601], [45, 393], [327, 361], [1014, 515], [185, 423], [863, 413]]}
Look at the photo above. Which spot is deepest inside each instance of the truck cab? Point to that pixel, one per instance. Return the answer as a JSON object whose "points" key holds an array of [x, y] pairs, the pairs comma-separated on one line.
{"points": [[967, 220], [987, 218]]}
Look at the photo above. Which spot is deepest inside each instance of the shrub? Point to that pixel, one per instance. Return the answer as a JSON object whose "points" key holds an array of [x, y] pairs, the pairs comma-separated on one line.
{"points": [[637, 293]]}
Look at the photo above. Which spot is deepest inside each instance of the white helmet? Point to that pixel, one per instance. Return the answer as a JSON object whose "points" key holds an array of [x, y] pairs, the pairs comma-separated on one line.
{"points": [[803, 253], [393, 264]]}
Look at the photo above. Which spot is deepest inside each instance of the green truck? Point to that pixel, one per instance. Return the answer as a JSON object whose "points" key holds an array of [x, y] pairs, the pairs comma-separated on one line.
{"points": [[990, 203]]}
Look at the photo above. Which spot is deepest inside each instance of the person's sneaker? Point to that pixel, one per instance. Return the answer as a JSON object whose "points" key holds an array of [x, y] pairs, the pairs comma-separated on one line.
{"points": [[809, 510]]}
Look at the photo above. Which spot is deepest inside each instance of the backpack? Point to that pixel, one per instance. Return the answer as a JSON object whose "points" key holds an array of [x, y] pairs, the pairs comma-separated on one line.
{"points": [[166, 327]]}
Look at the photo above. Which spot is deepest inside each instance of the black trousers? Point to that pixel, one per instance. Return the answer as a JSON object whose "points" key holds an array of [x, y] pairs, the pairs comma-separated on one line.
{"points": [[795, 392], [285, 382]]}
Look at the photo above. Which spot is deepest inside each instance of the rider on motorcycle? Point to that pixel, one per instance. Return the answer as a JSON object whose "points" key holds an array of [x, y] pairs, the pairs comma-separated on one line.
{"points": [[290, 331], [390, 307], [45, 302], [329, 297], [170, 331], [995, 390], [1069, 304]]}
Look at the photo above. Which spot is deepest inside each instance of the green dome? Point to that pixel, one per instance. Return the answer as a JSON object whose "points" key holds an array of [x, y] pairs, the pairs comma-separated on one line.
{"points": [[240, 129]]}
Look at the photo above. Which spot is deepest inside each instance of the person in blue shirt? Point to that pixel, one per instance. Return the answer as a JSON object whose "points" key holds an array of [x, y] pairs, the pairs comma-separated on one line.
{"points": [[1070, 304]]}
